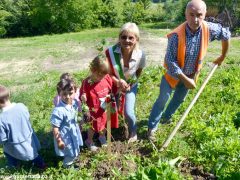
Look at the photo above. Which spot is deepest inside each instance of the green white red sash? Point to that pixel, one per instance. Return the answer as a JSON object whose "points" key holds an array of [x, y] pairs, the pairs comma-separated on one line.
{"points": [[114, 59]]}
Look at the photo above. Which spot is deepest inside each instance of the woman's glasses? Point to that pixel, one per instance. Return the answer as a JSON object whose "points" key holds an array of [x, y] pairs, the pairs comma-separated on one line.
{"points": [[131, 38]]}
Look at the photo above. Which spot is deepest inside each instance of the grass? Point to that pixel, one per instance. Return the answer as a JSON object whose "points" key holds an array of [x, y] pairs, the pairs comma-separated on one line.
{"points": [[159, 29], [209, 137], [40, 47]]}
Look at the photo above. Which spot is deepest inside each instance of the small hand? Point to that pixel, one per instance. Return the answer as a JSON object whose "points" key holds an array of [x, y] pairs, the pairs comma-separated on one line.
{"points": [[61, 144], [86, 117], [84, 97]]}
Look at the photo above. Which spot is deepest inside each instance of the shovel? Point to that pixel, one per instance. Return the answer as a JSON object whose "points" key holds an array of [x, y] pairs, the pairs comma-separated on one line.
{"points": [[170, 137]]}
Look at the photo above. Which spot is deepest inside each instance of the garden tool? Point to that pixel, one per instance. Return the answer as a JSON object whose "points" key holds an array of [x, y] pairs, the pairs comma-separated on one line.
{"points": [[108, 101], [121, 102], [170, 137]]}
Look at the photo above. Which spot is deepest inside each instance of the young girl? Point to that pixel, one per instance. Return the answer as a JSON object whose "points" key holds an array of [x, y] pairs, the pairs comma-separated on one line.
{"points": [[19, 140], [57, 98], [67, 135], [93, 92]]}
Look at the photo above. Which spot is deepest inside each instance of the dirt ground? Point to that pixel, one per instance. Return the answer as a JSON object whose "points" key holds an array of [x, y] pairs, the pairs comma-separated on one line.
{"points": [[73, 56], [153, 46], [119, 148]]}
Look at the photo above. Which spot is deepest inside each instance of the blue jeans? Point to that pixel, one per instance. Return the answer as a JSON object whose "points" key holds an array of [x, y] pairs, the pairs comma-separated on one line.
{"points": [[158, 108], [129, 112], [13, 162]]}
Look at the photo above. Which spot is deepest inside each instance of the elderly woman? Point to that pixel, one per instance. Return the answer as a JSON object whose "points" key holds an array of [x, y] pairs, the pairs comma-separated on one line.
{"points": [[126, 63]]}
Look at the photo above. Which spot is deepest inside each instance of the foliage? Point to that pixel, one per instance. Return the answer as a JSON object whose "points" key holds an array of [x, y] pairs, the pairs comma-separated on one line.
{"points": [[231, 5], [175, 10], [158, 170], [5, 15], [36, 17], [54, 16], [209, 136]]}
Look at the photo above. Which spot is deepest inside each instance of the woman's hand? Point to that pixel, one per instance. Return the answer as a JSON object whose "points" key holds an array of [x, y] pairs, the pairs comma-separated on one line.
{"points": [[124, 86]]}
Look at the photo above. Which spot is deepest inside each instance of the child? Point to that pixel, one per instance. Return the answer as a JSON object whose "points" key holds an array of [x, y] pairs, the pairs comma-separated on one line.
{"points": [[93, 92], [67, 135], [57, 98], [19, 140]]}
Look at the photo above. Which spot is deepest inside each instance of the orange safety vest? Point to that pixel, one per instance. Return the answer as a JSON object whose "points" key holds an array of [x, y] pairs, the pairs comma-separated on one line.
{"points": [[181, 32]]}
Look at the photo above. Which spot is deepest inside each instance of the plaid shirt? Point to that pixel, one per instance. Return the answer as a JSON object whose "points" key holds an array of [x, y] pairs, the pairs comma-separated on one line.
{"points": [[192, 48]]}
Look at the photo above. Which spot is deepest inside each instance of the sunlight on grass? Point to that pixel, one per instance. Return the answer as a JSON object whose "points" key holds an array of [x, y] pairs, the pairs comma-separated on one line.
{"points": [[209, 137]]}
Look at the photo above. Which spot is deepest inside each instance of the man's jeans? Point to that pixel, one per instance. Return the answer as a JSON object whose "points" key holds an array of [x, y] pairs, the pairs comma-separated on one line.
{"points": [[130, 99], [165, 92]]}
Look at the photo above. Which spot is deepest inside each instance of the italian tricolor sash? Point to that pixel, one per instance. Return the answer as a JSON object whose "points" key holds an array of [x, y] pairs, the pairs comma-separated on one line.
{"points": [[115, 62]]}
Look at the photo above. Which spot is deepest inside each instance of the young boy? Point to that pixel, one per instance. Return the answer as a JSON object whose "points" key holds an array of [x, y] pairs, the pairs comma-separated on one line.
{"points": [[19, 141]]}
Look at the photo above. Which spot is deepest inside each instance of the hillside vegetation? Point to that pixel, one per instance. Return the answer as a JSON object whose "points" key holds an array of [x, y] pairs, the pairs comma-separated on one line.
{"points": [[206, 146]]}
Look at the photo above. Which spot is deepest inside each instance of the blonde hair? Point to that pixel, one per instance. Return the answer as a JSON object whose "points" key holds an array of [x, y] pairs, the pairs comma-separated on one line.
{"points": [[99, 64], [4, 94], [130, 28]]}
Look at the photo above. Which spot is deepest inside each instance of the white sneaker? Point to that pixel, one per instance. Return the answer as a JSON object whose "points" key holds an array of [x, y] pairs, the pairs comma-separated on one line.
{"points": [[91, 146], [151, 134], [132, 139], [103, 141]]}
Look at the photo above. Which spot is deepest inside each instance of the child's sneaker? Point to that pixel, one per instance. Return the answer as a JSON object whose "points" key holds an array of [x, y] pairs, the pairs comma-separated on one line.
{"points": [[103, 141], [91, 146], [132, 139]]}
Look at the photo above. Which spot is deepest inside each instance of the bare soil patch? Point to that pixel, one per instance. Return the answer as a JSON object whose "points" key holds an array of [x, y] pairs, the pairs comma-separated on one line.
{"points": [[15, 67], [197, 172], [81, 54]]}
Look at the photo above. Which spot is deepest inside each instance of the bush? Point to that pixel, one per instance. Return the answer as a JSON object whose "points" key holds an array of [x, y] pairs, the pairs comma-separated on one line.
{"points": [[175, 10], [3, 21], [27, 18]]}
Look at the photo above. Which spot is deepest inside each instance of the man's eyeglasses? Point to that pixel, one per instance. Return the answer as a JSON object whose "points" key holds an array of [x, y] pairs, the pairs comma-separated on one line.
{"points": [[131, 38]]}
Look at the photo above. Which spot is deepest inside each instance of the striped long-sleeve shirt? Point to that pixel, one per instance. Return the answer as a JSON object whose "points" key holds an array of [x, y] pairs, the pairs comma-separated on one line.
{"points": [[217, 32]]}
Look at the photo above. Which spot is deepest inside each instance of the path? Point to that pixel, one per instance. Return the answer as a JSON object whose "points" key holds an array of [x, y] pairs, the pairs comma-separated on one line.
{"points": [[72, 56], [153, 46]]}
